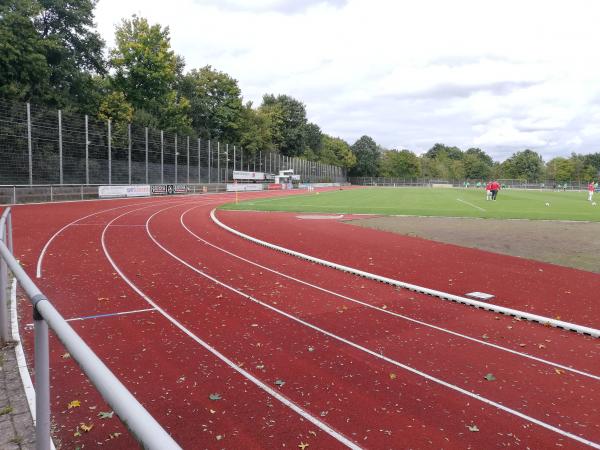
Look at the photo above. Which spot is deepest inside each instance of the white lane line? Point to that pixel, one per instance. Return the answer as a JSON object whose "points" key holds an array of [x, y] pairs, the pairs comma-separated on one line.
{"points": [[413, 287], [470, 204], [100, 316], [385, 311], [285, 401], [373, 353]]}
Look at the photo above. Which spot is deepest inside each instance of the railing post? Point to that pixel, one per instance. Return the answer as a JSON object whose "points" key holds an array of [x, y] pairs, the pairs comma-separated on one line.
{"points": [[42, 382], [218, 162], [162, 158], [176, 154], [199, 166], [29, 145], [14, 195], [3, 294]]}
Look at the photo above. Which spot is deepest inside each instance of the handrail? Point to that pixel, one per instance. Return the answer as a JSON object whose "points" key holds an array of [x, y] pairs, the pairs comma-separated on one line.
{"points": [[146, 430]]}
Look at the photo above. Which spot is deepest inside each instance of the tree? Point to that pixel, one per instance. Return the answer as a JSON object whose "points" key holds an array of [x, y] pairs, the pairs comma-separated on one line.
{"points": [[480, 155], [440, 150], [146, 71], [49, 52], [337, 152], [255, 130], [560, 169], [367, 158], [288, 122], [475, 167], [215, 103], [313, 137], [524, 165], [400, 164]]}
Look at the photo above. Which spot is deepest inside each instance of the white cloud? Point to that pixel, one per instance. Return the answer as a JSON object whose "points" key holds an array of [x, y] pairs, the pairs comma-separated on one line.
{"points": [[505, 75]]}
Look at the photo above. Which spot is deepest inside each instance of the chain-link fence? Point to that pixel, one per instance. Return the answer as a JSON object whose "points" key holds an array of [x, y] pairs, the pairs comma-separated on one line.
{"points": [[42, 146]]}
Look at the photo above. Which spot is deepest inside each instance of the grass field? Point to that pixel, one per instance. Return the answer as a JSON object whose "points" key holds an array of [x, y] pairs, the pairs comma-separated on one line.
{"points": [[511, 204]]}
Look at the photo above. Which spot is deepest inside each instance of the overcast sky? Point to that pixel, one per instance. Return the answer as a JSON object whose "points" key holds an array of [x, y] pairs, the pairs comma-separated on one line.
{"points": [[499, 75]]}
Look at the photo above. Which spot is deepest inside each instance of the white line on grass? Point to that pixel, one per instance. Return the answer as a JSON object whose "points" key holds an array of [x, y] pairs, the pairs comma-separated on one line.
{"points": [[470, 204], [373, 353], [413, 287], [385, 311], [285, 401]]}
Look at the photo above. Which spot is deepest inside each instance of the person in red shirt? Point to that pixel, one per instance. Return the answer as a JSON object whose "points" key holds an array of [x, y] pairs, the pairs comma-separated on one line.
{"points": [[591, 188], [488, 190], [494, 188]]}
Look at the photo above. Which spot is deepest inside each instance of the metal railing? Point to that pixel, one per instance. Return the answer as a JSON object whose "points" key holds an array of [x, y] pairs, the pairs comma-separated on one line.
{"points": [[144, 428], [573, 185]]}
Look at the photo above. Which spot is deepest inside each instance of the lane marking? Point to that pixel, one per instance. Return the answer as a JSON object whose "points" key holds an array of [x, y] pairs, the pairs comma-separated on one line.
{"points": [[373, 353], [99, 316], [385, 311], [284, 400], [581, 329], [470, 204]]}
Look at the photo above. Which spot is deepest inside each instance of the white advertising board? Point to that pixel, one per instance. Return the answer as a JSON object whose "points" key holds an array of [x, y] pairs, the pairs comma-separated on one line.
{"points": [[124, 191], [239, 187], [241, 175]]}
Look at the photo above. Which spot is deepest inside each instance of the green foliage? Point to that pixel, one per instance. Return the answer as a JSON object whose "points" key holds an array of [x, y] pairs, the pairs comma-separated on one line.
{"points": [[146, 71], [367, 157], [441, 151], [215, 103], [49, 52], [288, 123], [313, 138], [337, 152], [115, 107], [400, 164], [255, 130], [525, 165]]}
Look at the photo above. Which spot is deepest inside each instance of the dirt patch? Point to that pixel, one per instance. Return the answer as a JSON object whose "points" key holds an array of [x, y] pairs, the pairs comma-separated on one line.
{"points": [[571, 244]]}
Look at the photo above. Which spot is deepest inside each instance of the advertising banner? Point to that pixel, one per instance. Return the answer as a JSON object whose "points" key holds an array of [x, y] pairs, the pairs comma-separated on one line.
{"points": [[180, 189], [112, 191], [158, 189], [238, 187], [274, 187], [241, 175], [138, 191]]}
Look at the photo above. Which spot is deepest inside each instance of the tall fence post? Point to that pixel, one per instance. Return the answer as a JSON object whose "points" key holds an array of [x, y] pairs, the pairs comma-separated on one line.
{"points": [[87, 152], [29, 144], [109, 154], [234, 158], [219, 174], [188, 160], [162, 158], [60, 148], [226, 162], [209, 160], [129, 152], [199, 166], [241, 158], [146, 147], [176, 154], [42, 381]]}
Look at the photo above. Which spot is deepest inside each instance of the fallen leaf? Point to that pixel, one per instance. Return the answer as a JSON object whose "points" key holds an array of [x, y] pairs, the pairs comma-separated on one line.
{"points": [[393, 376], [66, 356], [558, 371], [311, 349], [106, 415], [215, 396], [485, 336], [77, 433], [279, 382], [86, 428], [490, 377], [473, 428], [302, 445], [219, 437], [74, 404]]}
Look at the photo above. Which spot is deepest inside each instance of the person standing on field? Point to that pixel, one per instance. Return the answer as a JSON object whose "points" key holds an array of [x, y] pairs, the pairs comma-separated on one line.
{"points": [[591, 188], [494, 188], [488, 190]]}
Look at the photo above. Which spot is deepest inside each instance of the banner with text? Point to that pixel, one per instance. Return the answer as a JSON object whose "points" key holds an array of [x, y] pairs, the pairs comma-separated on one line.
{"points": [[241, 175], [238, 187]]}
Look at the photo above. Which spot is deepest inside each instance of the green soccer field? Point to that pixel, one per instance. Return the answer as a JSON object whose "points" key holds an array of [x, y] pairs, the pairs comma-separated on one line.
{"points": [[511, 204]]}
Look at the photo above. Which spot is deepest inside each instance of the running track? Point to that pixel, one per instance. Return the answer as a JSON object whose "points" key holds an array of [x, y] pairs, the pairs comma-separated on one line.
{"points": [[298, 354]]}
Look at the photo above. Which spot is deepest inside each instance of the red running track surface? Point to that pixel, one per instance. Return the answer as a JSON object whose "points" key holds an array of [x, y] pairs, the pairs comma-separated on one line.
{"points": [[357, 363]]}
